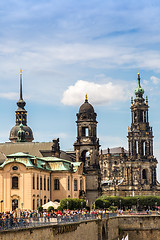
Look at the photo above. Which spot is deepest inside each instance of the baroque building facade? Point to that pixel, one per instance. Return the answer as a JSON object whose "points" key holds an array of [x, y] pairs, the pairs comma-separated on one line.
{"points": [[27, 181], [132, 172], [33, 173]]}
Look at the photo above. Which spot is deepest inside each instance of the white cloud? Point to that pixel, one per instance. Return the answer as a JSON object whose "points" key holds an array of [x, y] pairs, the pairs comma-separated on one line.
{"points": [[155, 80], [9, 95], [97, 93]]}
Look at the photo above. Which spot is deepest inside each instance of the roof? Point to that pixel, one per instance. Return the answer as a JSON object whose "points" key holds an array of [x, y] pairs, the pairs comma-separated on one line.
{"points": [[86, 107], [44, 163], [116, 150], [32, 148]]}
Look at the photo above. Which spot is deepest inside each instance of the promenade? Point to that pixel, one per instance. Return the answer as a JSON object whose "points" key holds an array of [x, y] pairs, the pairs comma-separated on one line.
{"points": [[33, 219]]}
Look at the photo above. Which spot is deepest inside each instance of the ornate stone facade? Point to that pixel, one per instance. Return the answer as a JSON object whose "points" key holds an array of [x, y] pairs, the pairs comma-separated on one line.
{"points": [[87, 149], [132, 173]]}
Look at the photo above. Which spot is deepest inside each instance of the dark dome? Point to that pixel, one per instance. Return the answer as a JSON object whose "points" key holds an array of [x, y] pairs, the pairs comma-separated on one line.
{"points": [[86, 107], [14, 133]]}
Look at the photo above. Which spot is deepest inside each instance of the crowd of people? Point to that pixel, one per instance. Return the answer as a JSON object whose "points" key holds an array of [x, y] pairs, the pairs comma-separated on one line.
{"points": [[18, 218], [27, 217]]}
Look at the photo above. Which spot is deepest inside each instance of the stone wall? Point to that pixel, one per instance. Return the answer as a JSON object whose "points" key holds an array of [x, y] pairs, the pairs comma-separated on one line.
{"points": [[140, 227], [79, 231], [137, 227], [112, 229]]}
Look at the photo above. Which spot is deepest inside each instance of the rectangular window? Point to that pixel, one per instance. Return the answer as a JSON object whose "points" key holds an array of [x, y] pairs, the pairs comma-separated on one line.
{"points": [[33, 181], [40, 183], [37, 182], [40, 202], [48, 183], [44, 182], [75, 184], [85, 131], [56, 184], [15, 182]]}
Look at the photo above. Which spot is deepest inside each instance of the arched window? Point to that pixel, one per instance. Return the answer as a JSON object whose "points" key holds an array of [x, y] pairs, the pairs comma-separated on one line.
{"points": [[14, 204], [56, 184], [15, 182]]}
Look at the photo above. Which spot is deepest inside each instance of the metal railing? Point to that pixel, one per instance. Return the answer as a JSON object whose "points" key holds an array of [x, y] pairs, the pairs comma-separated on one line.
{"points": [[25, 222]]}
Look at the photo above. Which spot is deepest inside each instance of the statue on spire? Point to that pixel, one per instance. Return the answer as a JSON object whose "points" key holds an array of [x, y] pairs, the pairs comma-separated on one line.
{"points": [[21, 134]]}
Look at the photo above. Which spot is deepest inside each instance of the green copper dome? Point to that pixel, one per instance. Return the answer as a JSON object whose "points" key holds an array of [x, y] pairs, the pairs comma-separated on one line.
{"points": [[139, 91]]}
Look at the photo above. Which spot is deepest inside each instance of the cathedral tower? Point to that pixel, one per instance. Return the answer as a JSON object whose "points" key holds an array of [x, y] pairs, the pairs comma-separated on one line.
{"points": [[21, 120], [87, 144], [141, 169], [87, 149]]}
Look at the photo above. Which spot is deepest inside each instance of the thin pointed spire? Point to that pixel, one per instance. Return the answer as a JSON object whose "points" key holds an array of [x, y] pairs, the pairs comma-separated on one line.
{"points": [[21, 103], [21, 97]]}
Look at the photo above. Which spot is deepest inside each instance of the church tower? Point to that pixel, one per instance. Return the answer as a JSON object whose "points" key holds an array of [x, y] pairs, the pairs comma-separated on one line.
{"points": [[21, 120], [87, 144], [141, 164], [87, 148]]}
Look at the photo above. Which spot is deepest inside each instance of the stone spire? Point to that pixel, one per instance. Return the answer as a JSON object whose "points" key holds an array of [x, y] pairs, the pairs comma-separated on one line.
{"points": [[21, 121]]}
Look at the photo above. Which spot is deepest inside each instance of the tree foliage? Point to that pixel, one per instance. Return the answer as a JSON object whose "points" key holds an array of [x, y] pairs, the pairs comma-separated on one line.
{"points": [[51, 208], [73, 203], [129, 202]]}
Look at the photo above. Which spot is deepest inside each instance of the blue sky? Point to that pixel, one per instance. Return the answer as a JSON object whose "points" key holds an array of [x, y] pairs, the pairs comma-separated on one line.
{"points": [[68, 48]]}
